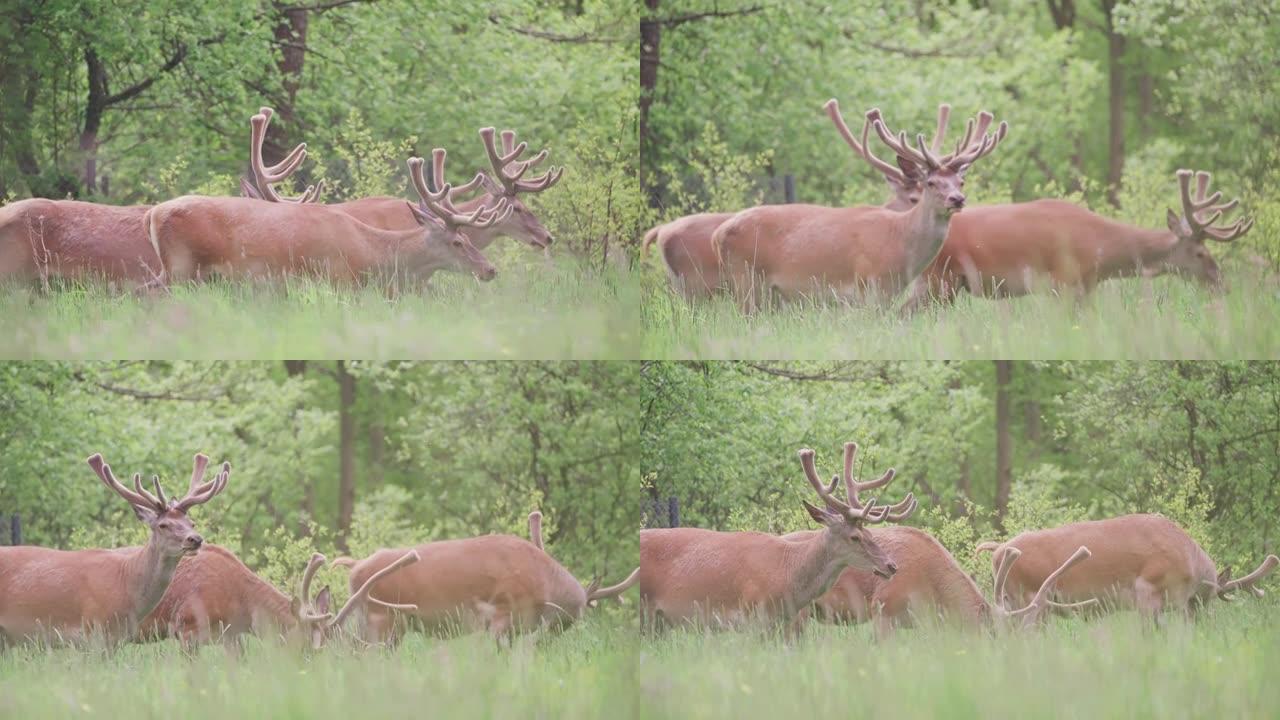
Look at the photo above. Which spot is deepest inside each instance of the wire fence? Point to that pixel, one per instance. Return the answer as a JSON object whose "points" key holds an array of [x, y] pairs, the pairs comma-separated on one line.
{"points": [[660, 513], [11, 529]]}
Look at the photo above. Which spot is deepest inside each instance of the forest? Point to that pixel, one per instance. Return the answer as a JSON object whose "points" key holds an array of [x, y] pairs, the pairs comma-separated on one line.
{"points": [[344, 456], [990, 448]]}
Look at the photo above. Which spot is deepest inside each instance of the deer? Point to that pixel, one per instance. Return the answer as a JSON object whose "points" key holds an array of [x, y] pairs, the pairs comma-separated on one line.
{"points": [[1144, 562], [693, 266], [855, 252], [1008, 250], [213, 595], [41, 238], [72, 595], [502, 584], [726, 579], [197, 235]]}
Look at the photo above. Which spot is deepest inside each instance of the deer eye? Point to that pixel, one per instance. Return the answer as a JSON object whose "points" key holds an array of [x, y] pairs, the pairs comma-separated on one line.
{"points": [[457, 242], [164, 524], [855, 538]]}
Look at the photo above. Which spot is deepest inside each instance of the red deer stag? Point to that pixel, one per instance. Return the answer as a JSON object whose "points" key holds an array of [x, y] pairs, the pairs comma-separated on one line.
{"points": [[500, 583], [73, 594], [795, 250], [728, 578], [1010, 250], [692, 263], [1145, 562], [41, 239], [214, 595], [196, 235]]}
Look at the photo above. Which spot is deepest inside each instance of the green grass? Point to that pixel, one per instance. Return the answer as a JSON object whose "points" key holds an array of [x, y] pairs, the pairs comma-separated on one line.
{"points": [[586, 672], [532, 310], [1164, 319], [1222, 666]]}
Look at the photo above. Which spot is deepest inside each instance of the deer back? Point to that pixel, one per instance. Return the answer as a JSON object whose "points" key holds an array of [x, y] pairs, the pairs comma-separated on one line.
{"points": [[214, 592], [73, 239]]}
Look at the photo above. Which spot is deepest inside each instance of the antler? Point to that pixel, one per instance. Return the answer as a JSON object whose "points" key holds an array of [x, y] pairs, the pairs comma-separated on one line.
{"points": [[314, 564], [975, 144], [833, 111], [855, 509], [1035, 609], [535, 528], [1249, 582], [508, 172], [197, 493], [595, 592], [408, 558], [1201, 213], [265, 177], [436, 202], [137, 497]]}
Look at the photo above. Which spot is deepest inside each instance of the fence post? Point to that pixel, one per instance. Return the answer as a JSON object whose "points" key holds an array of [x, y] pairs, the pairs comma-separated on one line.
{"points": [[15, 529], [673, 512], [789, 187]]}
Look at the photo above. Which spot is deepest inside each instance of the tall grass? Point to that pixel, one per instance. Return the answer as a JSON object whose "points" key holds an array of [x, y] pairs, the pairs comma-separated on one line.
{"points": [[1221, 666], [1138, 319], [586, 672], [534, 309]]}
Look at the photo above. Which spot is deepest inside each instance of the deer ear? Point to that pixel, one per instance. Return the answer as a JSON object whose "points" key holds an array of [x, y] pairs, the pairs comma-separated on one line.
{"points": [[818, 514], [145, 514], [424, 219], [1224, 577], [491, 186], [295, 606], [1174, 222], [323, 601], [910, 169]]}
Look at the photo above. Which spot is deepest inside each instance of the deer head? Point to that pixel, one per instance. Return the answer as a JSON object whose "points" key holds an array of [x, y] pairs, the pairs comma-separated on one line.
{"points": [[1034, 611], [265, 177], [507, 182], [906, 189], [848, 521], [1189, 256], [445, 224], [171, 530], [1249, 582], [316, 621], [940, 179]]}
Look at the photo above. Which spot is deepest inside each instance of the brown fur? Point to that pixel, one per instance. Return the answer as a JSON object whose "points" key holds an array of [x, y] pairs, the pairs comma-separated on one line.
{"points": [[40, 239]]}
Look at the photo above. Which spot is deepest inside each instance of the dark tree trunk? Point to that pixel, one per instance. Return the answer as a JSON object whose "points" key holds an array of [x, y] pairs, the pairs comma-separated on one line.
{"points": [[94, 108], [650, 41], [346, 450], [1004, 442], [290, 33], [1115, 68]]}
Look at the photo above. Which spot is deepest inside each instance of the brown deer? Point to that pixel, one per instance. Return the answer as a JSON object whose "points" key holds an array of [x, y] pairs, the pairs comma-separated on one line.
{"points": [[74, 594], [214, 595], [728, 578], [797, 250], [1145, 562], [1011, 249], [499, 583], [693, 265], [929, 583], [195, 236], [41, 239]]}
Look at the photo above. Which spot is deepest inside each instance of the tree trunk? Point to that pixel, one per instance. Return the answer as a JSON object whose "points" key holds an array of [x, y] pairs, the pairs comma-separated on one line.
{"points": [[290, 33], [650, 40], [1115, 68], [1004, 442], [346, 450], [95, 106]]}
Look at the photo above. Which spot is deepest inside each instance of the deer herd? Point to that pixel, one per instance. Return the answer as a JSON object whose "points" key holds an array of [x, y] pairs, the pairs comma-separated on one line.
{"points": [[265, 234], [179, 586], [924, 242]]}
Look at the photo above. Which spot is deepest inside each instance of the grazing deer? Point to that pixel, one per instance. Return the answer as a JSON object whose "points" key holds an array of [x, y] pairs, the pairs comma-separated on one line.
{"points": [[70, 594], [500, 583], [693, 265], [1009, 250], [196, 235], [1145, 562], [727, 578], [40, 238], [213, 595], [795, 250], [929, 582]]}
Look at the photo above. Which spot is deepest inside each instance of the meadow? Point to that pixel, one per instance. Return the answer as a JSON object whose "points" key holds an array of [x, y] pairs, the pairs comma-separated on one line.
{"points": [[586, 672], [534, 309], [1164, 318], [1221, 665]]}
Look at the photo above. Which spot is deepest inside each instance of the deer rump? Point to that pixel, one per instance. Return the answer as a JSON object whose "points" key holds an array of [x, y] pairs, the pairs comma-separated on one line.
{"points": [[499, 583], [78, 240]]}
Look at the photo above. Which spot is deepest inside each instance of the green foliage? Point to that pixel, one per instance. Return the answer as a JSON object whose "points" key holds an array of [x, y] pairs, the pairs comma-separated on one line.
{"points": [[722, 180], [371, 166]]}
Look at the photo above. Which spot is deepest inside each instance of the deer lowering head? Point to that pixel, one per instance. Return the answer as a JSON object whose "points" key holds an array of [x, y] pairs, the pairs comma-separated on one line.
{"points": [[316, 620], [1034, 611], [1189, 256], [265, 177], [172, 532], [445, 224], [508, 182], [906, 189], [847, 521]]}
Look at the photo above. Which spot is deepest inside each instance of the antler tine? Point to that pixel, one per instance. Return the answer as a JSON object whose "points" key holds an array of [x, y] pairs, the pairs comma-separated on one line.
{"points": [[850, 455], [924, 150], [155, 482], [1003, 566], [265, 176], [151, 499], [898, 145], [207, 491], [1040, 601], [108, 478], [944, 116], [408, 558], [811, 474], [1249, 581], [902, 509], [313, 565], [199, 464], [855, 488], [535, 529], [1201, 212], [833, 111], [543, 181], [976, 150], [605, 593], [508, 140]]}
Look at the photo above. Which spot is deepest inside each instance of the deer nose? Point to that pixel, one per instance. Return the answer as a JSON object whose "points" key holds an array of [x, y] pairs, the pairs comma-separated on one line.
{"points": [[193, 542], [955, 200], [892, 566], [488, 273]]}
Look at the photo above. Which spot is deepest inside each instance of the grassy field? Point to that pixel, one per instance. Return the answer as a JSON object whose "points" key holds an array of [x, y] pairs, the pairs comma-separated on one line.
{"points": [[534, 309], [1164, 319], [1222, 666], [587, 672]]}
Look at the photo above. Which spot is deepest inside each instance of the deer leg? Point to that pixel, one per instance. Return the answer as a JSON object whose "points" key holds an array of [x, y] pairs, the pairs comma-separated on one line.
{"points": [[1149, 600], [500, 628]]}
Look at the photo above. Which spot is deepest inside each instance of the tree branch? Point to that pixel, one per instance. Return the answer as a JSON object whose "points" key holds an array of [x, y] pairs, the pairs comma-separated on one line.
{"points": [[179, 54], [710, 14], [581, 39]]}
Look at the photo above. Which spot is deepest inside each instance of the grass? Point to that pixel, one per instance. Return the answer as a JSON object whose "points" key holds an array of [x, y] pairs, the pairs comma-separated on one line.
{"points": [[534, 309], [1162, 319], [586, 672], [1221, 666]]}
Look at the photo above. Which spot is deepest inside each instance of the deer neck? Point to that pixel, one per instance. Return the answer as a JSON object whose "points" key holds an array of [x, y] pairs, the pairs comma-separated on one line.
{"points": [[147, 575], [926, 230], [815, 564], [270, 605], [1137, 250], [408, 250]]}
